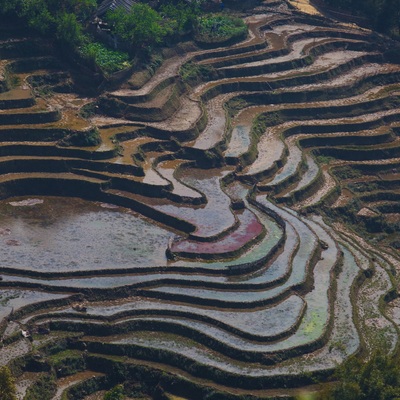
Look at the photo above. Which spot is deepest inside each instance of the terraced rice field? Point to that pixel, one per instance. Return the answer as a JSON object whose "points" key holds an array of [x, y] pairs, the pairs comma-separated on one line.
{"points": [[234, 236]]}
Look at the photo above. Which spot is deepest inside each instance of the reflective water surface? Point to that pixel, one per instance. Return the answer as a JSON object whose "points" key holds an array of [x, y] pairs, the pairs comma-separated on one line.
{"points": [[57, 233]]}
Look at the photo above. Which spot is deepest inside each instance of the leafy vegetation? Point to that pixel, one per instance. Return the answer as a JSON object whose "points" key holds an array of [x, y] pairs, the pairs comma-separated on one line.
{"points": [[68, 30], [346, 172], [109, 61], [145, 27], [7, 385], [67, 362], [86, 138], [62, 19], [377, 379], [140, 30], [43, 389], [219, 28], [142, 26], [181, 17], [66, 21]]}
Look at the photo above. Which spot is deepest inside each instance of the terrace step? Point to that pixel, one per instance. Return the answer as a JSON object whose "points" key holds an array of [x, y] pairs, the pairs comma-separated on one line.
{"points": [[24, 47], [180, 192], [63, 384], [248, 232], [47, 176], [16, 98], [306, 183], [37, 114], [45, 149], [158, 108]]}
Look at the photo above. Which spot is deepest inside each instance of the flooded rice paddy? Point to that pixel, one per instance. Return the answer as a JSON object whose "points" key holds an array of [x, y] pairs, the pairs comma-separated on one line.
{"points": [[56, 234]]}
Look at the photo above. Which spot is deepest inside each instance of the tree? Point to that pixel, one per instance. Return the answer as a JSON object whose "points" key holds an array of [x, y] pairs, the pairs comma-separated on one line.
{"points": [[7, 6], [7, 385], [38, 15], [52, 16], [69, 31], [180, 16], [142, 26], [389, 16], [83, 8]]}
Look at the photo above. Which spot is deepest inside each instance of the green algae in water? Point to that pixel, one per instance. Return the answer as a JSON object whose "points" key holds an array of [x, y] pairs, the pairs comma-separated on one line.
{"points": [[74, 234]]}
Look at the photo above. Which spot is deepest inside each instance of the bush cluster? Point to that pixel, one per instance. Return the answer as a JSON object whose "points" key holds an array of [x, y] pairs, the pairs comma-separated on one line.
{"points": [[219, 28], [140, 30], [62, 19], [43, 389]]}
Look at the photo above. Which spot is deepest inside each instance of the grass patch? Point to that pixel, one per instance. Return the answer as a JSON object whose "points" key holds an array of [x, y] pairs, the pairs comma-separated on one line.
{"points": [[235, 105], [62, 355], [67, 362], [346, 172]]}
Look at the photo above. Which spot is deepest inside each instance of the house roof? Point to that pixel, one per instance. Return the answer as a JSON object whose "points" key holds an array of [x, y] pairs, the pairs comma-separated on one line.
{"points": [[107, 5]]}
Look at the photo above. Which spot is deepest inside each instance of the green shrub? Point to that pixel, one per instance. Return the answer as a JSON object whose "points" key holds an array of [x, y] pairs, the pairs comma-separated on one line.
{"points": [[43, 389], [116, 393], [154, 63], [219, 28], [86, 138], [88, 110]]}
